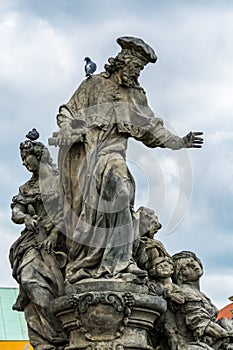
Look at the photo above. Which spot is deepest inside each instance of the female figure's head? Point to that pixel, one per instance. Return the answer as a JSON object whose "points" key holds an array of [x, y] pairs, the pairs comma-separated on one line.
{"points": [[34, 154]]}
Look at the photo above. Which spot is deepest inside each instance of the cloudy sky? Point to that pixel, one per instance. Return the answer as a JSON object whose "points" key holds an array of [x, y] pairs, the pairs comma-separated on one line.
{"points": [[43, 44]]}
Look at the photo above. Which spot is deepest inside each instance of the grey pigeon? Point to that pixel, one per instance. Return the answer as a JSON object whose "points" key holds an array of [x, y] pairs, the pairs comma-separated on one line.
{"points": [[90, 67], [33, 135]]}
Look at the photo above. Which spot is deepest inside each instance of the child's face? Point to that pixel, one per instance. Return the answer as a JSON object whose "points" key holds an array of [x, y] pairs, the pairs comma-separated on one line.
{"points": [[191, 270], [149, 220], [162, 269]]}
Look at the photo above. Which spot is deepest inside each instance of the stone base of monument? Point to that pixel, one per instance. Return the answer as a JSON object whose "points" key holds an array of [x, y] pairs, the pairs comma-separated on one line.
{"points": [[108, 314]]}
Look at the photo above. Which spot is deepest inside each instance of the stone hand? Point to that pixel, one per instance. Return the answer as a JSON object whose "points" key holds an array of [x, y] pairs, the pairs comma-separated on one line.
{"points": [[215, 331], [31, 223], [177, 298], [50, 243], [193, 139]]}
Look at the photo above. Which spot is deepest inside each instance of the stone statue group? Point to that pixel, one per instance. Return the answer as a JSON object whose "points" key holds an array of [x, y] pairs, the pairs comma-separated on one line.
{"points": [[83, 235]]}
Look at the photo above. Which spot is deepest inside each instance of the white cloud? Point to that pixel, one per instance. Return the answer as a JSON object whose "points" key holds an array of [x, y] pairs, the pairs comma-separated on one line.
{"points": [[220, 136], [218, 289], [32, 54]]}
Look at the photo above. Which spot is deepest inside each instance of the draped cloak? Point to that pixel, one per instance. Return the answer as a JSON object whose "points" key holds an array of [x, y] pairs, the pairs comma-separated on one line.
{"points": [[97, 187], [37, 282]]}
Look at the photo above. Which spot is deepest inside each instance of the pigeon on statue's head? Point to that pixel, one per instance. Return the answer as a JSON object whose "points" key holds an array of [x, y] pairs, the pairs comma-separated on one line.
{"points": [[90, 67], [33, 135]]}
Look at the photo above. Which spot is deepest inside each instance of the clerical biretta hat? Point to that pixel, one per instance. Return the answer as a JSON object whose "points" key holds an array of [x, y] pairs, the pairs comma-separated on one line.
{"points": [[138, 48]]}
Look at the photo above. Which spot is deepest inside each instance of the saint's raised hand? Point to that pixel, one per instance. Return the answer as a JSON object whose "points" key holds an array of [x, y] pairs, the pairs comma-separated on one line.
{"points": [[193, 139]]}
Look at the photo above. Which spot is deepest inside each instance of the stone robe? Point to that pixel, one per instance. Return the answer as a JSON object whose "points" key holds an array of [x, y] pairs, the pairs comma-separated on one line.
{"points": [[98, 189], [38, 282]]}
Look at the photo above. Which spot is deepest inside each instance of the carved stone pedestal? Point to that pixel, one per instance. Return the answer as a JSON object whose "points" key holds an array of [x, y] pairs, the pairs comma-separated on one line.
{"points": [[108, 315]]}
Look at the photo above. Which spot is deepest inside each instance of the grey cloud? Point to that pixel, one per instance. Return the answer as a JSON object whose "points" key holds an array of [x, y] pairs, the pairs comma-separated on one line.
{"points": [[42, 65]]}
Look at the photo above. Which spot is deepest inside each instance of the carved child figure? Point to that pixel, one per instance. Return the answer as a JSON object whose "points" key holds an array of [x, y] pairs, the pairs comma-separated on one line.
{"points": [[196, 325], [161, 284], [146, 248]]}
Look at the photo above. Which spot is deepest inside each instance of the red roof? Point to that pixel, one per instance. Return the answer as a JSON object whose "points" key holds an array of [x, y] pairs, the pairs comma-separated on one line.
{"points": [[226, 312]]}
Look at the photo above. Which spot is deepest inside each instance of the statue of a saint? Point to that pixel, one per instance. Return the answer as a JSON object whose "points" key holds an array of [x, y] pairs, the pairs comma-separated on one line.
{"points": [[98, 189]]}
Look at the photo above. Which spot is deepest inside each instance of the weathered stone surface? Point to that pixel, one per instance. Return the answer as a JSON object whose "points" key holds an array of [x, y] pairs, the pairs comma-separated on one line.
{"points": [[33, 260], [109, 316], [97, 187], [91, 274]]}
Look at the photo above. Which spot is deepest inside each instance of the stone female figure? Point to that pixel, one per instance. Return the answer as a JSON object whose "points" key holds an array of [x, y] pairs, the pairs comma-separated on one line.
{"points": [[32, 259]]}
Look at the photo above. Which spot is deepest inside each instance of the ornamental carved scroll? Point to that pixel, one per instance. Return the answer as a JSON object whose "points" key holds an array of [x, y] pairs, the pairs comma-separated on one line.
{"points": [[102, 316]]}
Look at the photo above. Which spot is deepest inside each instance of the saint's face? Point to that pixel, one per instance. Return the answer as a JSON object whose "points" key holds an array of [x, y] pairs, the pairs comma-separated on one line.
{"points": [[132, 70], [31, 163], [191, 270]]}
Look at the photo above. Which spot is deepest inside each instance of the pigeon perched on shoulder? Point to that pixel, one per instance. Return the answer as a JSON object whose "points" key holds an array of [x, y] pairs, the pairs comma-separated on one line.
{"points": [[90, 67], [33, 135]]}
